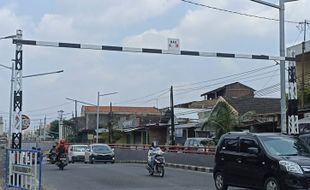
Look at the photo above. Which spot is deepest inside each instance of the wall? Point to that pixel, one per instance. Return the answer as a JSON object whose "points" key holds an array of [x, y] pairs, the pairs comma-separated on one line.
{"points": [[158, 134], [238, 90], [170, 157]]}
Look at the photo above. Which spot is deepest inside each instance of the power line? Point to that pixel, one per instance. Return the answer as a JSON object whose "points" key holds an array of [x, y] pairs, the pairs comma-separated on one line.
{"points": [[219, 83], [47, 108], [228, 76], [236, 12], [143, 97]]}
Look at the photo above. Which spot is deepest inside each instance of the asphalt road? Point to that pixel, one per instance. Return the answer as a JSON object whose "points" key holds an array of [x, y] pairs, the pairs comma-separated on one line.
{"points": [[80, 176]]}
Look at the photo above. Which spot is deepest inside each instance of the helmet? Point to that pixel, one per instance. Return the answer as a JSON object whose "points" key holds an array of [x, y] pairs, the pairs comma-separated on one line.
{"points": [[154, 144], [62, 141]]}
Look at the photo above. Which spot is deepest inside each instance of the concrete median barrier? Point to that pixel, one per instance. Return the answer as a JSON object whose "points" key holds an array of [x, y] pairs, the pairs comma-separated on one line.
{"points": [[194, 162]]}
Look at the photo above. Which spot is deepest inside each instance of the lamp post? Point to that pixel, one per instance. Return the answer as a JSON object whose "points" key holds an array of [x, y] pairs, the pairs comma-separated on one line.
{"points": [[11, 92], [281, 8], [98, 99]]}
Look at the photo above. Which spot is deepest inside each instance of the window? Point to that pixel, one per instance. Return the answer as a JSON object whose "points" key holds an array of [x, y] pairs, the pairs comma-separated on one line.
{"points": [[179, 133], [231, 145], [284, 145], [247, 143]]}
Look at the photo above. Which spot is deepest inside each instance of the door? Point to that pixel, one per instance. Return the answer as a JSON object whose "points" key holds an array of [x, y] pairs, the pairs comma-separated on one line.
{"points": [[229, 156], [251, 164]]}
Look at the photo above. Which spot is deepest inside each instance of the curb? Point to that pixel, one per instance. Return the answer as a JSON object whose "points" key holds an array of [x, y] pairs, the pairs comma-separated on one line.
{"points": [[171, 165]]}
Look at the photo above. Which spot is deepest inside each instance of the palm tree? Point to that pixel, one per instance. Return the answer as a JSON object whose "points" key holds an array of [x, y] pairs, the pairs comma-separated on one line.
{"points": [[222, 119]]}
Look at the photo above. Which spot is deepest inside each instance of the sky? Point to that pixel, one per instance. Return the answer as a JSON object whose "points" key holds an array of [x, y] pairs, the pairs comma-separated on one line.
{"points": [[139, 79]]}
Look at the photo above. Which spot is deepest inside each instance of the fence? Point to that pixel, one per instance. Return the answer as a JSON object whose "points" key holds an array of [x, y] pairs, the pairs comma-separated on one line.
{"points": [[169, 148], [23, 169]]}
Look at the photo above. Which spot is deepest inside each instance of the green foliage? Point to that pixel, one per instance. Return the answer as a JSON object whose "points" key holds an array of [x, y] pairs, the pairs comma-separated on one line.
{"points": [[71, 138], [221, 120], [53, 131]]}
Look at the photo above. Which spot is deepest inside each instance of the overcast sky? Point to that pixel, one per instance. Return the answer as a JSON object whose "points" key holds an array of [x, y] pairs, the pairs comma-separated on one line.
{"points": [[139, 79]]}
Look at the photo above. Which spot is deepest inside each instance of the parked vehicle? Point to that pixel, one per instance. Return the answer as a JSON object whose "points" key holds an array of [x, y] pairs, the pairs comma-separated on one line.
{"points": [[263, 161], [62, 161], [159, 163], [76, 153], [305, 138], [99, 153], [198, 144]]}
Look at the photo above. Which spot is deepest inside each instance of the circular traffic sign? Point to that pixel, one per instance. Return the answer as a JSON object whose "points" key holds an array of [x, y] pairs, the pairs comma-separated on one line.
{"points": [[25, 122]]}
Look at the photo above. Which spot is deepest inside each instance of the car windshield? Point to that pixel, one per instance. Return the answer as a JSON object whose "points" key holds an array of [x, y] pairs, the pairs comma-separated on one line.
{"points": [[79, 148], [101, 149], [284, 145]]}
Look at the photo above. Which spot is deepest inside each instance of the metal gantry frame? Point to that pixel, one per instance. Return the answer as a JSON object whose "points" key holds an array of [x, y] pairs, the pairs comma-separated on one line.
{"points": [[18, 92], [18, 66]]}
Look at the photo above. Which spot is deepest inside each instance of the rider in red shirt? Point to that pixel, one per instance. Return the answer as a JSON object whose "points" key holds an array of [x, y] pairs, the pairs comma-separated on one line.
{"points": [[61, 148]]}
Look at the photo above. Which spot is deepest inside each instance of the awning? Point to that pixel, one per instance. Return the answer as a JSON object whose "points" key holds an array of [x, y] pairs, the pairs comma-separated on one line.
{"points": [[186, 125], [131, 129]]}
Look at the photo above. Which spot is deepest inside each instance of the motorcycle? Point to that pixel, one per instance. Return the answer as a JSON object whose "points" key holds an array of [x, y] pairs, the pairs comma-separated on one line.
{"points": [[62, 161], [159, 163], [52, 157]]}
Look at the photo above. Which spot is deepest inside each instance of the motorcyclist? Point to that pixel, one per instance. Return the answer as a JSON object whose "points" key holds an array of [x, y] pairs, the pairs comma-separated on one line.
{"points": [[151, 154], [53, 149], [61, 148], [52, 153]]}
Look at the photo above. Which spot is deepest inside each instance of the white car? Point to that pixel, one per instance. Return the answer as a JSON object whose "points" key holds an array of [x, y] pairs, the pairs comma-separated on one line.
{"points": [[76, 153], [99, 153]]}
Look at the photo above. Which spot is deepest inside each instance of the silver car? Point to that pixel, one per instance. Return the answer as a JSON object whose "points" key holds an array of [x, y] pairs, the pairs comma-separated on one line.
{"points": [[99, 153], [76, 153]]}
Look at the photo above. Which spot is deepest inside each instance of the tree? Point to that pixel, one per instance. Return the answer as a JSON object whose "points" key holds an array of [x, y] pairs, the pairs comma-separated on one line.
{"points": [[53, 131], [54, 125], [222, 120]]}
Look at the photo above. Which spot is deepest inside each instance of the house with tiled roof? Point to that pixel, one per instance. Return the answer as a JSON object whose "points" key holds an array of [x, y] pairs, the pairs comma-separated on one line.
{"points": [[130, 121], [233, 90], [264, 112]]}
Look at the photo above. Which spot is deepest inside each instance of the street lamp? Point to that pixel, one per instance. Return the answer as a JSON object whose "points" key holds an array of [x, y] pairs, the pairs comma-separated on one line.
{"points": [[98, 96], [280, 7], [11, 93]]}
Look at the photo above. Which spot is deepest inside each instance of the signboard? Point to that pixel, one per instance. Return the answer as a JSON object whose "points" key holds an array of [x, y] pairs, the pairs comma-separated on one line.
{"points": [[90, 136], [22, 169], [173, 44], [25, 121]]}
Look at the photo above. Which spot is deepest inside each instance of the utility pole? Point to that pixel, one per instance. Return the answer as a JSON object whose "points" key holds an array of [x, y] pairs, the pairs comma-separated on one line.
{"points": [[40, 127], [44, 128], [60, 125], [281, 8], [172, 116], [304, 28], [110, 124]]}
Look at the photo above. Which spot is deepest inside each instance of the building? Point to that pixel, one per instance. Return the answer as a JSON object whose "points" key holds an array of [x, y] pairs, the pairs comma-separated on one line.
{"points": [[130, 121], [233, 90], [303, 76], [253, 114]]}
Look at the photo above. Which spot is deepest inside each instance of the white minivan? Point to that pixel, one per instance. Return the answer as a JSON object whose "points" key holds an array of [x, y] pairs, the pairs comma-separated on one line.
{"points": [[76, 153]]}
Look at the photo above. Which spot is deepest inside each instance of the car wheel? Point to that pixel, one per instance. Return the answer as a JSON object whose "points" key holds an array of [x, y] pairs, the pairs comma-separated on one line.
{"points": [[272, 183], [112, 162], [219, 181]]}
